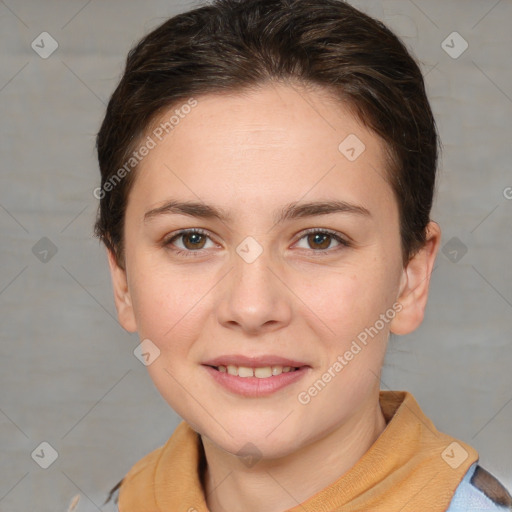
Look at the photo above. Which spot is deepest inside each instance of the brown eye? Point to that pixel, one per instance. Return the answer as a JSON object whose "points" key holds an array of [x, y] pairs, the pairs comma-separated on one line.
{"points": [[188, 241], [193, 240], [321, 240]]}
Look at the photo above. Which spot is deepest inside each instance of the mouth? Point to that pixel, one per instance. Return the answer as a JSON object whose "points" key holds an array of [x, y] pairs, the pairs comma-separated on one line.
{"points": [[255, 376], [260, 372]]}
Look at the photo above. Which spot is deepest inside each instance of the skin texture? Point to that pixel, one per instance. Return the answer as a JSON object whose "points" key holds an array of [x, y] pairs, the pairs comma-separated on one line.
{"points": [[304, 297]]}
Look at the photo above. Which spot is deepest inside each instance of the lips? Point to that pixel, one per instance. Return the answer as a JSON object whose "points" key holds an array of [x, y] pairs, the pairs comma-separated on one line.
{"points": [[258, 385], [260, 366], [253, 361], [262, 372], [255, 376]]}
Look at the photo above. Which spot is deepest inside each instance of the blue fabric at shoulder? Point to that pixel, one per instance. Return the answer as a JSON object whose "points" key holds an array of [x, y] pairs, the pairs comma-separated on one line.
{"points": [[479, 491]]}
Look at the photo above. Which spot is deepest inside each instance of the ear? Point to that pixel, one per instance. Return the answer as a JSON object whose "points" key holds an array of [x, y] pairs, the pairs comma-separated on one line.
{"points": [[415, 283], [121, 294]]}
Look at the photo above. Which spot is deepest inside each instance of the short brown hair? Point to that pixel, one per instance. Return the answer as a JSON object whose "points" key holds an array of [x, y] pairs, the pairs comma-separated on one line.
{"points": [[231, 45]]}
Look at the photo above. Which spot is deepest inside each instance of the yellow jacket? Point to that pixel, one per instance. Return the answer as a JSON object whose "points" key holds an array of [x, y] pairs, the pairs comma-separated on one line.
{"points": [[410, 467]]}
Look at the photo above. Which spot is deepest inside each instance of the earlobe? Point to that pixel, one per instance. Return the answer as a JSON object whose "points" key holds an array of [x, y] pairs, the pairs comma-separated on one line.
{"points": [[122, 295], [414, 284]]}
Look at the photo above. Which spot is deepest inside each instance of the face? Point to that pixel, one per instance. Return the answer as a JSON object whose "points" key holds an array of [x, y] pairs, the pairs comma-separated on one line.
{"points": [[303, 259]]}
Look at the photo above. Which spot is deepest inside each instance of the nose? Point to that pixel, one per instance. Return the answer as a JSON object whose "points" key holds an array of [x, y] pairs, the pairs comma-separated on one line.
{"points": [[255, 297]]}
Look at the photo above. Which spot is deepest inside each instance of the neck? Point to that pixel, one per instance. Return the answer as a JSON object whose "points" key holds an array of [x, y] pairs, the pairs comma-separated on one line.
{"points": [[279, 484]]}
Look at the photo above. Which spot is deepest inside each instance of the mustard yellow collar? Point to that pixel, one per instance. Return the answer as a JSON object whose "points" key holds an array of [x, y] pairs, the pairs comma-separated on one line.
{"points": [[410, 467]]}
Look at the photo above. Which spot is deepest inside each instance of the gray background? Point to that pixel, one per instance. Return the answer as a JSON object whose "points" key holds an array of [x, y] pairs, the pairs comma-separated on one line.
{"points": [[68, 375]]}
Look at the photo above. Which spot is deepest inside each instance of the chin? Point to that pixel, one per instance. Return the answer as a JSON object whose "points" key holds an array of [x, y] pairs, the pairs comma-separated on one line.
{"points": [[251, 449], [247, 440]]}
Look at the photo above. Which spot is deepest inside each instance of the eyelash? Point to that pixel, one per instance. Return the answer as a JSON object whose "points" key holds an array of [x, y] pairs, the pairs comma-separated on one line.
{"points": [[191, 253]]}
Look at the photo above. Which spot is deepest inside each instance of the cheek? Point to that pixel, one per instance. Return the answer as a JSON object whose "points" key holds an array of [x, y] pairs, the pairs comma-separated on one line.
{"points": [[169, 312], [347, 301], [163, 302]]}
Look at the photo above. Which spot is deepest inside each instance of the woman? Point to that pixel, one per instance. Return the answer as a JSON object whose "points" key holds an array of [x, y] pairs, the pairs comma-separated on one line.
{"points": [[268, 169]]}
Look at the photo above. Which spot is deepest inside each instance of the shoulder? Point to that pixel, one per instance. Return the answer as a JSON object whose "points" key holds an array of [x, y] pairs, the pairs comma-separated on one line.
{"points": [[138, 476], [480, 491], [136, 491], [144, 465]]}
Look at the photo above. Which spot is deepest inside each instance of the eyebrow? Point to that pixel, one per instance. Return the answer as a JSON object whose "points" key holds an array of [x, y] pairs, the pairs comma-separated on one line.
{"points": [[288, 212]]}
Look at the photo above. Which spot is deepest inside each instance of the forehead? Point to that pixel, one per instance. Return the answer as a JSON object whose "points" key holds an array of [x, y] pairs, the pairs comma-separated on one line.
{"points": [[273, 145]]}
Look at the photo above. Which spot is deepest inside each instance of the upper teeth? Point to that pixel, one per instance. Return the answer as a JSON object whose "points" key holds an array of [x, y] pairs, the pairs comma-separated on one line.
{"points": [[262, 372]]}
